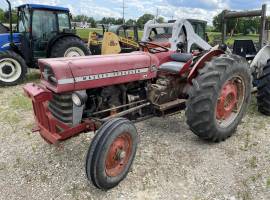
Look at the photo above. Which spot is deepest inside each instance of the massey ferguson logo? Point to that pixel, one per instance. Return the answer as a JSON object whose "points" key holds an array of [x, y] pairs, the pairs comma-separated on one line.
{"points": [[112, 74]]}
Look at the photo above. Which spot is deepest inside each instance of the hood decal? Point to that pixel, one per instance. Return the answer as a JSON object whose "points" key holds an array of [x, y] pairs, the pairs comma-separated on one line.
{"points": [[104, 75]]}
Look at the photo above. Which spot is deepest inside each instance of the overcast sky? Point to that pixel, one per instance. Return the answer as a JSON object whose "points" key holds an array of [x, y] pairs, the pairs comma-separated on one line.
{"points": [[199, 9]]}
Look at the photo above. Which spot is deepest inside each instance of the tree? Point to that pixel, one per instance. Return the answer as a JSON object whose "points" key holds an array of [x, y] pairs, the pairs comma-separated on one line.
{"points": [[238, 25], [131, 22], [92, 21], [143, 19], [160, 20]]}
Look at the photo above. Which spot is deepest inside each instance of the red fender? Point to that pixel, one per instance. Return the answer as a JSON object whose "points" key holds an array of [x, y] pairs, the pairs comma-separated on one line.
{"points": [[201, 62]]}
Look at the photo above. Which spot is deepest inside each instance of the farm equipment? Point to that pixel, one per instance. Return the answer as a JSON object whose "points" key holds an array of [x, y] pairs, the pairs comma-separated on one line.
{"points": [[116, 39], [42, 32], [259, 59], [186, 31], [119, 38], [109, 92]]}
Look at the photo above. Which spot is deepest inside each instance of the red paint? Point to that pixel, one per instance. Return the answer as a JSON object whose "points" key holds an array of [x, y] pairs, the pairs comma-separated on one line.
{"points": [[46, 123], [114, 163], [70, 68], [186, 67], [201, 62], [227, 101]]}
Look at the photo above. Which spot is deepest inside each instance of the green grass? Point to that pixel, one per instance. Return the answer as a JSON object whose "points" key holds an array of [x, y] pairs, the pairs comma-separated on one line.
{"points": [[216, 36], [20, 102], [84, 33]]}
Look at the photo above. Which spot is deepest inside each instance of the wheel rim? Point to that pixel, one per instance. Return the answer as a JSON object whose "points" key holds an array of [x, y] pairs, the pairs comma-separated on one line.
{"points": [[230, 101], [118, 155], [10, 70], [74, 52]]}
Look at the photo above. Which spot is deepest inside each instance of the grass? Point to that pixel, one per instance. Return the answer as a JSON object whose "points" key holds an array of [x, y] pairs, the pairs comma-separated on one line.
{"points": [[20, 102], [215, 37], [84, 33]]}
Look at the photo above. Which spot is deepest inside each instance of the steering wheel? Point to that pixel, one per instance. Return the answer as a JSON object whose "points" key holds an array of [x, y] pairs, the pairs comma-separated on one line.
{"points": [[152, 47]]}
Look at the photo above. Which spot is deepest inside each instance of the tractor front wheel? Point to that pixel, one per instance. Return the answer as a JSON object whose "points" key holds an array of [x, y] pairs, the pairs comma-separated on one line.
{"points": [[111, 153], [69, 47], [12, 68], [219, 97]]}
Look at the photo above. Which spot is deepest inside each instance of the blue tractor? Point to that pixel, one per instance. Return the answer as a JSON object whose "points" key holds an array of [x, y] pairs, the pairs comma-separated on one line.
{"points": [[41, 32]]}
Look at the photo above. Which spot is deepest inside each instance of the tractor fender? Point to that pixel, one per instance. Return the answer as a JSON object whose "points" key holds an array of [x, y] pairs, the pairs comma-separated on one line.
{"points": [[201, 62], [260, 60], [56, 38]]}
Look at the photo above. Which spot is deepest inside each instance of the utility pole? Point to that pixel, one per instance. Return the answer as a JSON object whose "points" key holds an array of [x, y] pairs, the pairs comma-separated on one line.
{"points": [[124, 7], [157, 14]]}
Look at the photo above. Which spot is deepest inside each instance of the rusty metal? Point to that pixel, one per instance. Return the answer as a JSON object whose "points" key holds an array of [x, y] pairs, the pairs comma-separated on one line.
{"points": [[170, 104], [118, 107], [118, 155], [123, 113]]}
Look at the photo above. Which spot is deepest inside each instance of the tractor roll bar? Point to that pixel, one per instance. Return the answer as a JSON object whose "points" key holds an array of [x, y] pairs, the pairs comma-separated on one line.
{"points": [[252, 13], [10, 21]]}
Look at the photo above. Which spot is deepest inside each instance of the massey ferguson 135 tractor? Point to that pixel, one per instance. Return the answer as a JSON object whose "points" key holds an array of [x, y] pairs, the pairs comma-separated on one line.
{"points": [[42, 31], [108, 92]]}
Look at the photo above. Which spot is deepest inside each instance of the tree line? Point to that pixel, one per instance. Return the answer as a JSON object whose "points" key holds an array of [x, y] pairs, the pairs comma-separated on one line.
{"points": [[247, 25], [4, 18], [116, 21]]}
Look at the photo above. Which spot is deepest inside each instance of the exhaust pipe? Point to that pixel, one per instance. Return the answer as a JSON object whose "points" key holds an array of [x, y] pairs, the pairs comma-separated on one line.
{"points": [[10, 21]]}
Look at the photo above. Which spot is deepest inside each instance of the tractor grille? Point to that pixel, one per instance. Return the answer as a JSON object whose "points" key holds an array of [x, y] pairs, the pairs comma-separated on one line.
{"points": [[61, 107]]}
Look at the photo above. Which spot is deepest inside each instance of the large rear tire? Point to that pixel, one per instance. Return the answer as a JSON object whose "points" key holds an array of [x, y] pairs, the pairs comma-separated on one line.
{"points": [[111, 153], [263, 95], [219, 97], [13, 68], [69, 47]]}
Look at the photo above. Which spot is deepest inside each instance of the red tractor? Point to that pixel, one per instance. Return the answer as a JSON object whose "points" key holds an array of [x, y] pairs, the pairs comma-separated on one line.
{"points": [[108, 93]]}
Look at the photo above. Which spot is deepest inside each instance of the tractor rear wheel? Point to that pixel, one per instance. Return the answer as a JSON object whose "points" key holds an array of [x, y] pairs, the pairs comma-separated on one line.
{"points": [[263, 95], [12, 68], [69, 47], [111, 153], [219, 97]]}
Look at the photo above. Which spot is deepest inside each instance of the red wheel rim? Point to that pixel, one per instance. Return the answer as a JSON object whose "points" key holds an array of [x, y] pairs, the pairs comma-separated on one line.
{"points": [[227, 100], [118, 155], [230, 101]]}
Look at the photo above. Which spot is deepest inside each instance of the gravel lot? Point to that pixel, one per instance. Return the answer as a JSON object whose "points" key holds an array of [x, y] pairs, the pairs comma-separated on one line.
{"points": [[171, 162]]}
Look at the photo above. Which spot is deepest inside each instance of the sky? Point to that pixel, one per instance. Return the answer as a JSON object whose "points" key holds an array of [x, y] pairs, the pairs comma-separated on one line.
{"points": [[196, 9]]}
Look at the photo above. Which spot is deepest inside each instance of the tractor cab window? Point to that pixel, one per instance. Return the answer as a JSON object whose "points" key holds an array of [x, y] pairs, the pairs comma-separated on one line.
{"points": [[44, 24], [63, 20], [199, 29], [161, 34], [24, 21]]}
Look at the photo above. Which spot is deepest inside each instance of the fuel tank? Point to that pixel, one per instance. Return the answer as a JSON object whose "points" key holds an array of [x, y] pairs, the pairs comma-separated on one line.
{"points": [[80, 73]]}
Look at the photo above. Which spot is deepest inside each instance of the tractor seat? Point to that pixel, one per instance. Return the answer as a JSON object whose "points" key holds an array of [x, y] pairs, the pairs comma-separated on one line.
{"points": [[175, 66], [181, 57]]}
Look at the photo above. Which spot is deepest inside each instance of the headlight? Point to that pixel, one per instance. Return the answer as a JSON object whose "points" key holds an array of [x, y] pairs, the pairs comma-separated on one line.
{"points": [[49, 75], [79, 98]]}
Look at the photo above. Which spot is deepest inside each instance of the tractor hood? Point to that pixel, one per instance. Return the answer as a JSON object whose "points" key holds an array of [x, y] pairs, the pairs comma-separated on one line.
{"points": [[80, 73], [5, 40]]}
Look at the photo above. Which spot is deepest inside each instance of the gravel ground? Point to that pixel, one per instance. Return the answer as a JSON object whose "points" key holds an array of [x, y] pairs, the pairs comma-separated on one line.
{"points": [[171, 162]]}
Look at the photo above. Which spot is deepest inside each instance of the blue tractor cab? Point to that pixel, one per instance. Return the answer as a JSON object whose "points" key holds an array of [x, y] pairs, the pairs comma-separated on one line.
{"points": [[42, 31]]}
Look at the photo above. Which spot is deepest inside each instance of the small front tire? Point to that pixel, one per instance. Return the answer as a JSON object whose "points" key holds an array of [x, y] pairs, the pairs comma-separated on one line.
{"points": [[111, 153]]}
